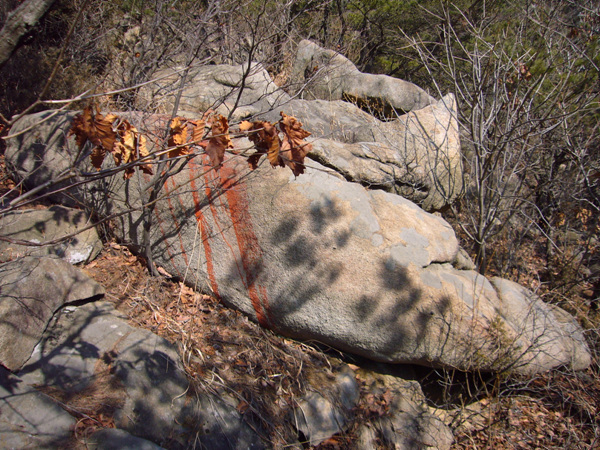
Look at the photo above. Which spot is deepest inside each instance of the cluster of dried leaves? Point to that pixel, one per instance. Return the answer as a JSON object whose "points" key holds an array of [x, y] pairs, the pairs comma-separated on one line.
{"points": [[111, 134], [289, 151], [184, 134]]}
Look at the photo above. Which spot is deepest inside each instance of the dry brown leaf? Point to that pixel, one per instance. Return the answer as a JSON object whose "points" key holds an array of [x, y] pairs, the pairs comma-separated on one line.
{"points": [[97, 157], [98, 130], [266, 141], [219, 141], [130, 147], [197, 130], [294, 148], [178, 137]]}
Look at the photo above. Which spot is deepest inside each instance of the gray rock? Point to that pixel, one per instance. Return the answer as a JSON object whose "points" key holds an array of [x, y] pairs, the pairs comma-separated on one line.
{"points": [[416, 155], [113, 438], [29, 419], [320, 415], [409, 423], [215, 87], [317, 257], [42, 165], [31, 290], [147, 365], [218, 425], [324, 74], [43, 225], [156, 405], [550, 330]]}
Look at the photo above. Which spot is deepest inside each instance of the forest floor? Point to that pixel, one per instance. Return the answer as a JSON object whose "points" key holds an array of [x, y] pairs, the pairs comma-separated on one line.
{"points": [[556, 410]]}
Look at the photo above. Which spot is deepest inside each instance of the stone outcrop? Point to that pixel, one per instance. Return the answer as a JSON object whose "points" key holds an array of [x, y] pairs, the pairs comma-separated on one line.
{"points": [[31, 291], [416, 155], [93, 348], [317, 257], [323, 74], [89, 354]]}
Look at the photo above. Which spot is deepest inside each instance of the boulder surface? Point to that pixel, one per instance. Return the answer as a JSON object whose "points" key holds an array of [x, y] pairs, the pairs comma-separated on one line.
{"points": [[45, 225], [323, 74], [29, 419], [31, 291]]}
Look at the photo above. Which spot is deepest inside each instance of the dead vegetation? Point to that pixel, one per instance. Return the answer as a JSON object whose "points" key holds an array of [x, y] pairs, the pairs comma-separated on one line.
{"points": [[221, 349], [95, 405]]}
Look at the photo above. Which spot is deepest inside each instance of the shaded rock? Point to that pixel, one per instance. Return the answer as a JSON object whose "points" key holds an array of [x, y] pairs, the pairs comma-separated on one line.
{"points": [[42, 164], [319, 417], [147, 365], [43, 225], [29, 419], [317, 257], [31, 290], [324, 74], [217, 424], [409, 423], [112, 438], [155, 403]]}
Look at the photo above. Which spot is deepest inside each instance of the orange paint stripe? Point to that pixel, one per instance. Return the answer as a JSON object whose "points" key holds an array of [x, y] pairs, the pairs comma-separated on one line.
{"points": [[204, 231], [250, 250], [213, 178]]}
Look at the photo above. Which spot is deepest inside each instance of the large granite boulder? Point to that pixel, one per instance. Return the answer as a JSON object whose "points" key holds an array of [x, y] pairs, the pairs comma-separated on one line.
{"points": [[323, 74], [318, 257]]}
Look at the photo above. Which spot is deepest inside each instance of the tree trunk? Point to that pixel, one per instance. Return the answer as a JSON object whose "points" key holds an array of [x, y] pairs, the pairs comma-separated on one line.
{"points": [[18, 23]]}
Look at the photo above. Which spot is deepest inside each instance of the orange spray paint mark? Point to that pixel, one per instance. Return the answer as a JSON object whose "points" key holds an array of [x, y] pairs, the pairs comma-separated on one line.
{"points": [[250, 250], [247, 243], [204, 232], [213, 179]]}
